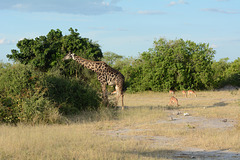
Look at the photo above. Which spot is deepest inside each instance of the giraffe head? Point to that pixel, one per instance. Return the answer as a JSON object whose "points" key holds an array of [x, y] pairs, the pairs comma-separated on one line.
{"points": [[69, 56]]}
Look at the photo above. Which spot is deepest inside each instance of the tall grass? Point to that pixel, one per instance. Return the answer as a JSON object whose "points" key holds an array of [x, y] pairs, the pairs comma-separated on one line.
{"points": [[75, 141]]}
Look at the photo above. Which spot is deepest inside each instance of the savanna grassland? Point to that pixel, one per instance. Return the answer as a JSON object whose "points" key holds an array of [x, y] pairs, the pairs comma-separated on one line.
{"points": [[147, 129]]}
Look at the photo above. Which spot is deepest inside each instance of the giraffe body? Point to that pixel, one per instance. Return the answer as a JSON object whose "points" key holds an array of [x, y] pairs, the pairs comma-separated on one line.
{"points": [[105, 74]]}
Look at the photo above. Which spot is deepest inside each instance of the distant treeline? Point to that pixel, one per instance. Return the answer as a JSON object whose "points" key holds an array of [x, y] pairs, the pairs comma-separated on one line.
{"points": [[41, 87], [176, 65]]}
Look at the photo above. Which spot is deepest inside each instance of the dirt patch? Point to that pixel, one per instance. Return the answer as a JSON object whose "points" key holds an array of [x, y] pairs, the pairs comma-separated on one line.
{"points": [[199, 122], [155, 140], [186, 153]]}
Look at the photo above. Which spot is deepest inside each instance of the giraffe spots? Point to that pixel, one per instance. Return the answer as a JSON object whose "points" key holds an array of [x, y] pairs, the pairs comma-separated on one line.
{"points": [[105, 74]]}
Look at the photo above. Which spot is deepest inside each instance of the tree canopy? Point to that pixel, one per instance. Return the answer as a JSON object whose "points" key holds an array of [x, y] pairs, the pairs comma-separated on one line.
{"points": [[45, 52], [173, 64]]}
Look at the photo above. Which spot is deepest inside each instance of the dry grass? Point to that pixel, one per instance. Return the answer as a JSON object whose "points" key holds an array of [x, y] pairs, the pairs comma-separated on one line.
{"points": [[143, 131], [64, 142]]}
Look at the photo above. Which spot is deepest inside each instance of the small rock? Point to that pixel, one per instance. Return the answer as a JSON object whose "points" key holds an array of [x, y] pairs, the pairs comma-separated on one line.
{"points": [[224, 120], [186, 114]]}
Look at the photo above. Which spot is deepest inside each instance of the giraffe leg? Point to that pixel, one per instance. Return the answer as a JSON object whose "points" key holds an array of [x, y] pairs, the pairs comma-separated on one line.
{"points": [[119, 93], [122, 102], [104, 94]]}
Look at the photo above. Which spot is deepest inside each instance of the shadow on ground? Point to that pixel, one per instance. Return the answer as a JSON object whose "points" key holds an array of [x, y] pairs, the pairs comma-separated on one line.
{"points": [[185, 155], [219, 104]]}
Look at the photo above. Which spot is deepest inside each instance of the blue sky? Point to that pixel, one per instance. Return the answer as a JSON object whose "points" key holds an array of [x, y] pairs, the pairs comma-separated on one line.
{"points": [[125, 27]]}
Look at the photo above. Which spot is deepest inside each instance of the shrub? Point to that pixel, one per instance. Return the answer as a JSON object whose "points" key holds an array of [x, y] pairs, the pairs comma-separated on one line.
{"points": [[31, 96], [71, 95], [22, 96]]}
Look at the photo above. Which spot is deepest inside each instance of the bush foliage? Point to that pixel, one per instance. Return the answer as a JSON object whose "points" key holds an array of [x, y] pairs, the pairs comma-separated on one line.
{"points": [[72, 95], [176, 65], [31, 96]]}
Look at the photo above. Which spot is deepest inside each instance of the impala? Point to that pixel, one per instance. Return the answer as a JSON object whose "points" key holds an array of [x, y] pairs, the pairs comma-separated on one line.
{"points": [[171, 92], [184, 93], [173, 101], [190, 92]]}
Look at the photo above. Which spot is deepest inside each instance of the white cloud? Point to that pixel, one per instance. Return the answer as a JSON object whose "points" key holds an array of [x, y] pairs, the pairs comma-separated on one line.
{"points": [[85, 7], [173, 3], [182, 2], [122, 29], [2, 41], [214, 46], [150, 12], [222, 0], [5, 41], [17, 6], [105, 3], [220, 11]]}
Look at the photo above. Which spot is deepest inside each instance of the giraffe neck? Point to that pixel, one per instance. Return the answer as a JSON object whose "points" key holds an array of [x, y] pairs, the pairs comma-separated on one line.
{"points": [[92, 65]]}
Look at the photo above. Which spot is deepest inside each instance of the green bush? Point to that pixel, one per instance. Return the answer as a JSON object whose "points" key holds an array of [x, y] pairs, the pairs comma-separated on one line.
{"points": [[22, 96], [226, 73], [71, 95], [173, 64], [31, 96]]}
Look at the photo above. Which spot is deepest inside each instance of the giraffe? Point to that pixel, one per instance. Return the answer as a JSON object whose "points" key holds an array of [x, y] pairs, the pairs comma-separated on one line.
{"points": [[105, 74]]}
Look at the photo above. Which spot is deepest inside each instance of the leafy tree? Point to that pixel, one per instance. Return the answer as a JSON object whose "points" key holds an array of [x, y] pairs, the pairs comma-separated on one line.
{"points": [[174, 64], [45, 52], [226, 73], [133, 72], [233, 73], [110, 58], [220, 68]]}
